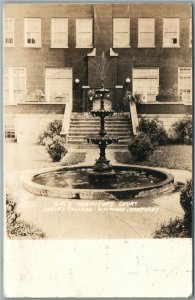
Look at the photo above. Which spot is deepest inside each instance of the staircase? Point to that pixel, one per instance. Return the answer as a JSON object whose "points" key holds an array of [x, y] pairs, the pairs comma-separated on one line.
{"points": [[84, 125]]}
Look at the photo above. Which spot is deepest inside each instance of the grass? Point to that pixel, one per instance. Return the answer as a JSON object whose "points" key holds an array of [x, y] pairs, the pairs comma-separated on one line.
{"points": [[170, 156]]}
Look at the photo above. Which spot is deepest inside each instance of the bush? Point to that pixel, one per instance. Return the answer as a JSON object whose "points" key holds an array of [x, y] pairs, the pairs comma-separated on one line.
{"points": [[186, 203], [56, 148], [53, 129], [179, 228], [141, 147], [173, 229], [17, 228], [183, 129], [154, 129]]}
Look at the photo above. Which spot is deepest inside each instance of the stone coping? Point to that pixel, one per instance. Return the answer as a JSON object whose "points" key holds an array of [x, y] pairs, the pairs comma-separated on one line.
{"points": [[96, 194]]}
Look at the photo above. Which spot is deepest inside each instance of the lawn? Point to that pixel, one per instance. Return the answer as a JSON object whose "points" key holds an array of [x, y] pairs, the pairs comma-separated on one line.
{"points": [[170, 156]]}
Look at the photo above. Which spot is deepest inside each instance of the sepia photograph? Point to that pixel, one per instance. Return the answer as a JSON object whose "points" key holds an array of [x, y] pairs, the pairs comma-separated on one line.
{"points": [[98, 122]]}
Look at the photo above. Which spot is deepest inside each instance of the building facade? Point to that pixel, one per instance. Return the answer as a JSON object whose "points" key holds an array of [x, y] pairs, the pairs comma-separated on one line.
{"points": [[55, 53]]}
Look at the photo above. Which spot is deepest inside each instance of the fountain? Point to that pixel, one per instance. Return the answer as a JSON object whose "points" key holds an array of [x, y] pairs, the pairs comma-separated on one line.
{"points": [[101, 181], [102, 170]]}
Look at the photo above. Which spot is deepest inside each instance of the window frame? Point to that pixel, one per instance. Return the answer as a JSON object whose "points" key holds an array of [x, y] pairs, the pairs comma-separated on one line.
{"points": [[26, 45], [4, 33], [178, 34], [68, 74], [10, 123], [11, 89], [54, 45], [114, 33], [139, 38], [91, 32], [145, 68], [179, 84]]}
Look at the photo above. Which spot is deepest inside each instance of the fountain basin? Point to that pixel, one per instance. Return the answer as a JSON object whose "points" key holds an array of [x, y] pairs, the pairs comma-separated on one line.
{"points": [[73, 183]]}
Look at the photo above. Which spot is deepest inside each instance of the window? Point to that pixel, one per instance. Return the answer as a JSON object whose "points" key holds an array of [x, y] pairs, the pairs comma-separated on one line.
{"points": [[58, 82], [171, 32], [84, 33], [121, 33], [32, 35], [185, 84], [59, 34], [10, 131], [146, 83], [146, 35], [14, 84], [190, 35], [8, 32]]}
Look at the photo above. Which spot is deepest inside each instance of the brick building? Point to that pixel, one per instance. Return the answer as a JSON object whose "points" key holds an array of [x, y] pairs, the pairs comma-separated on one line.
{"points": [[55, 53]]}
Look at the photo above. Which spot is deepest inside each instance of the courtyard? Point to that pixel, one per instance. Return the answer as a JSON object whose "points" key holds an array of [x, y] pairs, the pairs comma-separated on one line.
{"points": [[84, 219]]}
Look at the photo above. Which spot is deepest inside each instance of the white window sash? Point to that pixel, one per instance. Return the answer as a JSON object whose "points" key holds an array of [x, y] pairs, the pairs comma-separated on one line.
{"points": [[59, 33], [14, 84], [121, 33], [58, 83], [146, 32], [185, 83], [171, 31], [10, 127], [8, 32], [146, 82], [32, 32], [84, 33]]}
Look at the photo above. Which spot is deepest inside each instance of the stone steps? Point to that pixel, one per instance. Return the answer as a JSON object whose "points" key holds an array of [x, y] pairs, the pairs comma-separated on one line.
{"points": [[83, 126]]}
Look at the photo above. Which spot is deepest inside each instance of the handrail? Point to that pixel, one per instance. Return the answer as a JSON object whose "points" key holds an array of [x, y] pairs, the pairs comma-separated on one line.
{"points": [[66, 120], [133, 116]]}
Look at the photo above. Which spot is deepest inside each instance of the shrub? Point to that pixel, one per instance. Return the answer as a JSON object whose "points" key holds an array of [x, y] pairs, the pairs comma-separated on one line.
{"points": [[53, 129], [179, 227], [183, 129], [154, 129], [141, 147], [17, 228], [56, 148], [186, 203], [173, 229]]}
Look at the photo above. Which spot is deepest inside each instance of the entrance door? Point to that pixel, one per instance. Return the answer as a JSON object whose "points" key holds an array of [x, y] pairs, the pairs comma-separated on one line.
{"points": [[58, 83]]}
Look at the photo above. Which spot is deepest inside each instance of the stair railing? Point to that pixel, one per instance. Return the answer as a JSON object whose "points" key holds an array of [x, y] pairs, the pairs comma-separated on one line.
{"points": [[66, 120], [133, 116]]}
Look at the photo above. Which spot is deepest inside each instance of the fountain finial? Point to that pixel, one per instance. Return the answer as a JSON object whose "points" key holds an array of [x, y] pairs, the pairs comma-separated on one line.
{"points": [[102, 85]]}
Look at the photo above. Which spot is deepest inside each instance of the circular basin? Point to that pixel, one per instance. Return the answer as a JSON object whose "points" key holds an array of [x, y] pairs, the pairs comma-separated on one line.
{"points": [[74, 182]]}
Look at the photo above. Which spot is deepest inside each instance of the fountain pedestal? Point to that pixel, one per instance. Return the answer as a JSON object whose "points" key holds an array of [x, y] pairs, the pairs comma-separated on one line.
{"points": [[102, 169]]}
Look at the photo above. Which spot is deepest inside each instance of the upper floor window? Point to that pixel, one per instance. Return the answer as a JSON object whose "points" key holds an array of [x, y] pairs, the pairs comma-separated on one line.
{"points": [[170, 32], [8, 32], [14, 84], [84, 36], [121, 33], [146, 32], [59, 33], [185, 83], [190, 34], [32, 32]]}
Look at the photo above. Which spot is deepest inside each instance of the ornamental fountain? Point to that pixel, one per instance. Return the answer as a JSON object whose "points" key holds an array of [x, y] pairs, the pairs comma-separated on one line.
{"points": [[101, 181], [102, 169]]}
